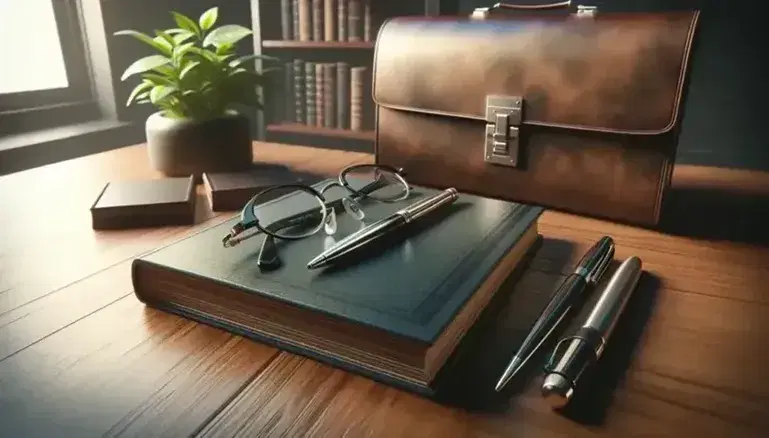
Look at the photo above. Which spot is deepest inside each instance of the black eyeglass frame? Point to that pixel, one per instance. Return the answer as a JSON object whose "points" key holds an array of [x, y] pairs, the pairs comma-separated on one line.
{"points": [[248, 219]]}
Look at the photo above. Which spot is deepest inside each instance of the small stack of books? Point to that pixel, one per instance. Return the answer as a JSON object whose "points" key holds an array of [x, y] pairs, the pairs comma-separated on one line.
{"points": [[327, 20], [327, 94]]}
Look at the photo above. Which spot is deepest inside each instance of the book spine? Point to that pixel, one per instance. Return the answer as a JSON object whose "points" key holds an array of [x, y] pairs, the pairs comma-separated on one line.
{"points": [[317, 20], [329, 19], [320, 93], [305, 20], [357, 82], [368, 29], [289, 113], [353, 20], [342, 95], [309, 77], [341, 19], [286, 19], [299, 99], [329, 95], [295, 19]]}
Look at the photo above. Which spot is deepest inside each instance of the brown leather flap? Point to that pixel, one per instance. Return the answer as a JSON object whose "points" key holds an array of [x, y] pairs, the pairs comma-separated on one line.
{"points": [[617, 73]]}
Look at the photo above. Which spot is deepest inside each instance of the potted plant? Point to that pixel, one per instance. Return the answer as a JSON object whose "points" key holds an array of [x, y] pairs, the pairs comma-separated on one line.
{"points": [[194, 79]]}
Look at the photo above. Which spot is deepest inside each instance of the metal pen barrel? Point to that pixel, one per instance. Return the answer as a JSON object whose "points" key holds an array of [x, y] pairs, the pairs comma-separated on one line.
{"points": [[574, 355], [426, 206], [613, 300]]}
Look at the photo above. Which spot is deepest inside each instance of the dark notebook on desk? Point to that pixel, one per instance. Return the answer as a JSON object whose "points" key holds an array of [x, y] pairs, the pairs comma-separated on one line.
{"points": [[395, 316], [227, 191]]}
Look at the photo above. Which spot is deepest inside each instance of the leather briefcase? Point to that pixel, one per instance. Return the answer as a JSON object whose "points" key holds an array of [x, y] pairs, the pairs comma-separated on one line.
{"points": [[577, 111]]}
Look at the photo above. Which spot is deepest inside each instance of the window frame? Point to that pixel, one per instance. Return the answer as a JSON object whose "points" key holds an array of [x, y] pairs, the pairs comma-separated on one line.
{"points": [[79, 90]]}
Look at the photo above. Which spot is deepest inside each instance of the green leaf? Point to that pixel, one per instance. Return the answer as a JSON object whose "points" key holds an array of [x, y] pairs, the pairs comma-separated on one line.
{"points": [[269, 70], [160, 92], [157, 79], [227, 34], [238, 71], [144, 86], [144, 64], [166, 70], [206, 55], [182, 36], [165, 37], [162, 48], [224, 49], [208, 19], [188, 68], [244, 59], [167, 47], [186, 23], [182, 50], [222, 58]]}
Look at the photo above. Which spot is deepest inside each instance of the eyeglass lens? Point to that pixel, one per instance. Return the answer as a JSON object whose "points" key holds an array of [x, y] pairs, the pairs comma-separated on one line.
{"points": [[301, 215], [377, 183]]}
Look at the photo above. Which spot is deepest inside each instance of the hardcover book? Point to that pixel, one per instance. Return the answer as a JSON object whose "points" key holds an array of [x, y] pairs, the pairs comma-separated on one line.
{"points": [[329, 95], [320, 94], [305, 20], [299, 91], [357, 97], [227, 191], [317, 20], [144, 203], [329, 20], [311, 114], [396, 315], [341, 19], [342, 95]]}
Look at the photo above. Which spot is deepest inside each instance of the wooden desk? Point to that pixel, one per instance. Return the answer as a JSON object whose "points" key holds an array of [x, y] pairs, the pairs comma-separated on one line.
{"points": [[80, 356]]}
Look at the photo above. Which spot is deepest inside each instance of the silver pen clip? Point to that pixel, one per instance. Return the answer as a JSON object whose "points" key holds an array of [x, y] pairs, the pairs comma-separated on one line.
{"points": [[594, 275]]}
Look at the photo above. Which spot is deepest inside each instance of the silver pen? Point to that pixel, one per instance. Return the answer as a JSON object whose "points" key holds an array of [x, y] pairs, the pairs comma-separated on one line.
{"points": [[587, 273], [383, 228], [573, 355]]}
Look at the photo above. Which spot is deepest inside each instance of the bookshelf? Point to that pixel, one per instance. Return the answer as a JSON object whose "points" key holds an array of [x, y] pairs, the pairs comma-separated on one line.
{"points": [[322, 94]]}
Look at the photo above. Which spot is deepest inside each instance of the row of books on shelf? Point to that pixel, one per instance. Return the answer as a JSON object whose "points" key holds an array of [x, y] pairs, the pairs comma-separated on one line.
{"points": [[327, 20], [327, 94]]}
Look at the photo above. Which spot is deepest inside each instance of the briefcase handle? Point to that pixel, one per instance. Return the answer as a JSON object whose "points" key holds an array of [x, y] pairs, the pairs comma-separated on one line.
{"points": [[582, 11]]}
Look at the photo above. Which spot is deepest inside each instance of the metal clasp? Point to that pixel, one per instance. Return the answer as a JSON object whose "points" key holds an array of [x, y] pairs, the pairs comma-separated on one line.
{"points": [[503, 118], [587, 11]]}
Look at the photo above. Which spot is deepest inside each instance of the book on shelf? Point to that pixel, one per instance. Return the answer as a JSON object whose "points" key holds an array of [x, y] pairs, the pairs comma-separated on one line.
{"points": [[327, 94], [317, 20], [398, 316], [310, 93], [357, 97], [286, 20], [342, 95], [298, 87], [320, 91], [327, 20]]}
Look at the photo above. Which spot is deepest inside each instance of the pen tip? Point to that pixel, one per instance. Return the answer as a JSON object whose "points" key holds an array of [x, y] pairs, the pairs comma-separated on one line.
{"points": [[510, 372], [315, 263]]}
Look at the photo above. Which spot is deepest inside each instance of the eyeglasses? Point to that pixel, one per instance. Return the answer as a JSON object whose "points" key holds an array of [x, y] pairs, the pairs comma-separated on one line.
{"points": [[307, 211]]}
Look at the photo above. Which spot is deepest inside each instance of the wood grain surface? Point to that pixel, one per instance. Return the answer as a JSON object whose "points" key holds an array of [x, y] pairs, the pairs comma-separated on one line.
{"points": [[80, 356]]}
